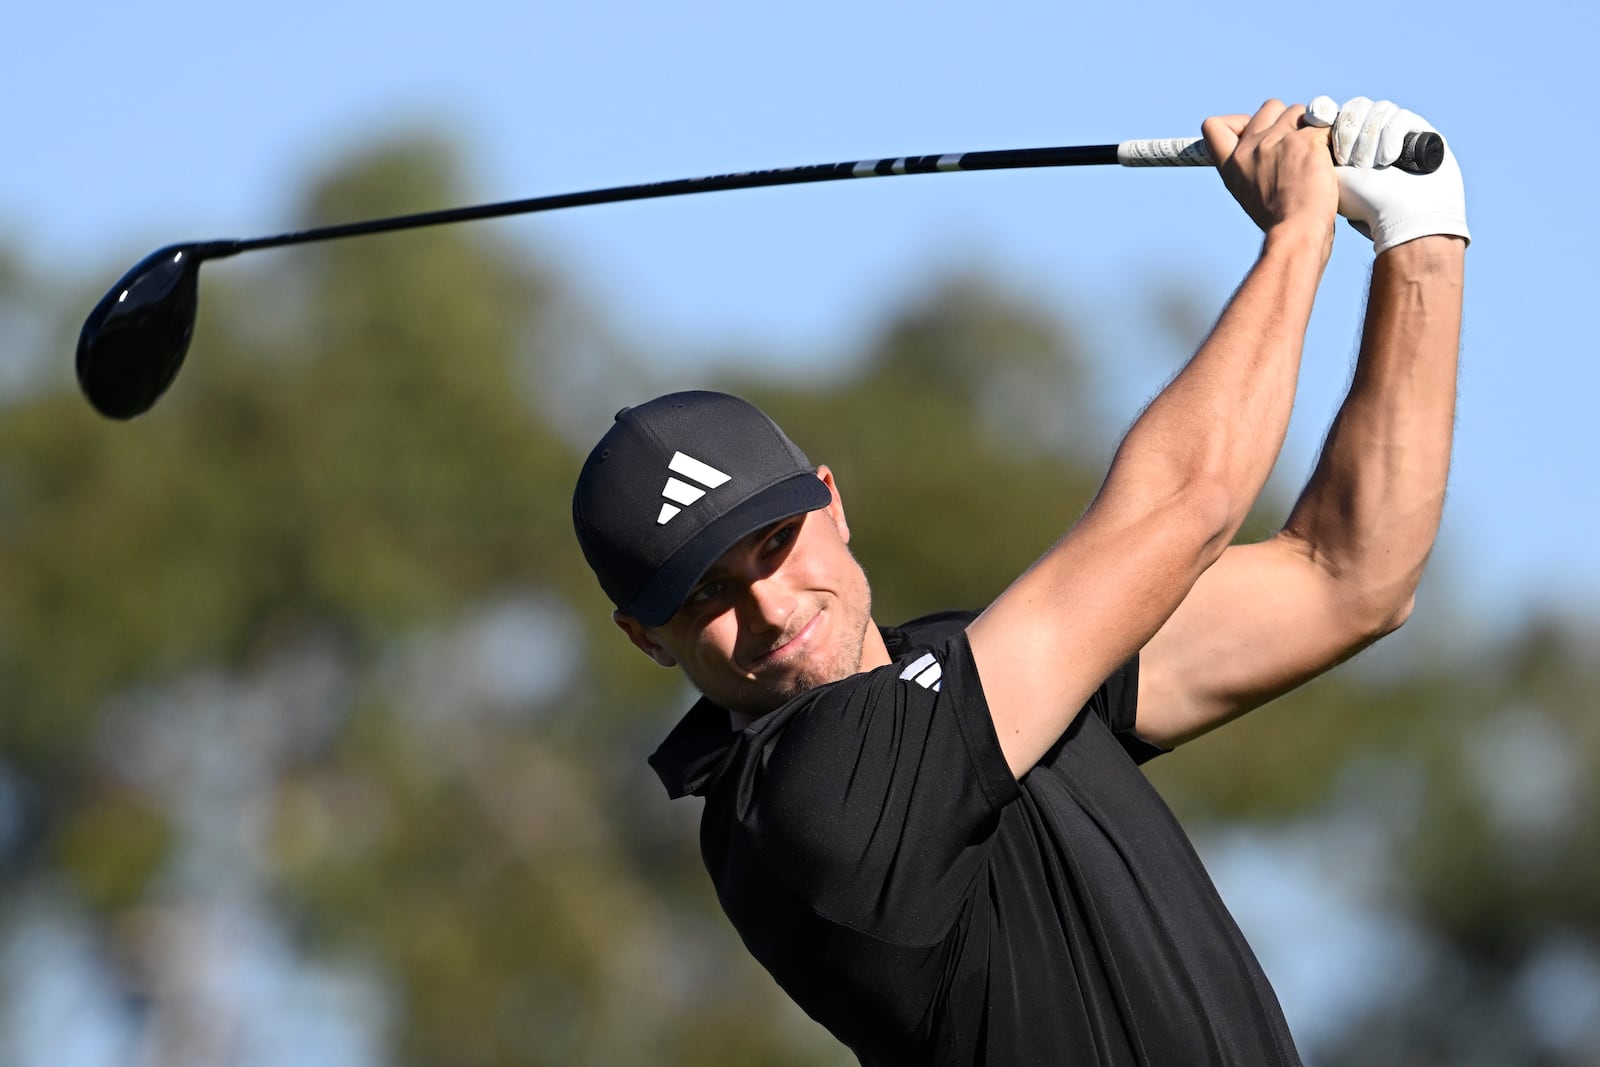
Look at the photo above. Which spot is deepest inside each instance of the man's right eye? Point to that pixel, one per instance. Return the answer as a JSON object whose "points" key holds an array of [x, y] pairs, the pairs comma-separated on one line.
{"points": [[705, 592]]}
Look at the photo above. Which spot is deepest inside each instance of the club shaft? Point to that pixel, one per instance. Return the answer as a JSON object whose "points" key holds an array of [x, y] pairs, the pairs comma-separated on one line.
{"points": [[1148, 152], [1162, 152], [1005, 159]]}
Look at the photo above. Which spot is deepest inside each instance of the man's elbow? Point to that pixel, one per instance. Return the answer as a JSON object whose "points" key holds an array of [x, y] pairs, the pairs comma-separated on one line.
{"points": [[1377, 615], [1187, 521], [1396, 616], [1370, 596], [1205, 516]]}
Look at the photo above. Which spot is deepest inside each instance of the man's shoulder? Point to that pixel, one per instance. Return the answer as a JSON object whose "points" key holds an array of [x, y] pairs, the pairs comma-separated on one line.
{"points": [[703, 748], [925, 630], [920, 642]]}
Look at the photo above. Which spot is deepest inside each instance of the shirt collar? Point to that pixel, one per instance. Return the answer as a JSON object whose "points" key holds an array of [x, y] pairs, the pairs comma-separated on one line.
{"points": [[689, 760], [700, 746]]}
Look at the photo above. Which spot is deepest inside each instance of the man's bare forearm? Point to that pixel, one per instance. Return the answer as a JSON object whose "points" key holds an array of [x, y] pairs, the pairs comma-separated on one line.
{"points": [[1371, 511], [1222, 421]]}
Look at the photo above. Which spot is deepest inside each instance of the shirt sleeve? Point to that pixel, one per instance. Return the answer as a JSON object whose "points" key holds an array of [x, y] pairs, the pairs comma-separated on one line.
{"points": [[876, 798], [1117, 704]]}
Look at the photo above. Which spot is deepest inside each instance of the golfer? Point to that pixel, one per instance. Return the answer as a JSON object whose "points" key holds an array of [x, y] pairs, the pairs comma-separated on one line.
{"points": [[936, 836]]}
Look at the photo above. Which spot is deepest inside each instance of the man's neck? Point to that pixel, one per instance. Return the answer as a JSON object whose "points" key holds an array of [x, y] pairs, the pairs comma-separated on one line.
{"points": [[874, 654]]}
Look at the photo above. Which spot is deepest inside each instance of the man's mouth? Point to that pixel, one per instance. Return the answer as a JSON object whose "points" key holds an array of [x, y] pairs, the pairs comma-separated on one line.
{"points": [[789, 648]]}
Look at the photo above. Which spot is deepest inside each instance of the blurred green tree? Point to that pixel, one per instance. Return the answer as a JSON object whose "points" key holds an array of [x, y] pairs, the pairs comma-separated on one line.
{"points": [[331, 580]]}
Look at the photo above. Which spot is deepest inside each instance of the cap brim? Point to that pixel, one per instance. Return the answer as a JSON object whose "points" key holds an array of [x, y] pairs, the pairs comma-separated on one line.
{"points": [[665, 592]]}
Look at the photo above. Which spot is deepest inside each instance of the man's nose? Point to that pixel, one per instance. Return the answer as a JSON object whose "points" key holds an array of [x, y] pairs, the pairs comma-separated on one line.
{"points": [[769, 603]]}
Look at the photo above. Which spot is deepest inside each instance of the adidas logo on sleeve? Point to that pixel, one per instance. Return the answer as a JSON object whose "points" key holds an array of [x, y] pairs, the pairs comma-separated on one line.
{"points": [[924, 671]]}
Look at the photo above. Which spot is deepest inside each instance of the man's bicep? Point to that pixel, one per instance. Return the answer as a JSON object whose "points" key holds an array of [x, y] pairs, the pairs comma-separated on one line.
{"points": [[1077, 615], [1262, 620]]}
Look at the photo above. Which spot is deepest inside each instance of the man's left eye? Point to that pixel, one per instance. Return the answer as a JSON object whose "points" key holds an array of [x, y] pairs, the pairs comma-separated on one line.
{"points": [[782, 537]]}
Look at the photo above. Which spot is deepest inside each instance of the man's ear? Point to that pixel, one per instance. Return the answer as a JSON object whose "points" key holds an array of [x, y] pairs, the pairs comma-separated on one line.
{"points": [[835, 509], [639, 634]]}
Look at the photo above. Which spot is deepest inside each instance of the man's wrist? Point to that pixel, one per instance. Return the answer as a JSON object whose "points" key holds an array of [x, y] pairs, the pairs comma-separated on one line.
{"points": [[1295, 238], [1426, 255]]}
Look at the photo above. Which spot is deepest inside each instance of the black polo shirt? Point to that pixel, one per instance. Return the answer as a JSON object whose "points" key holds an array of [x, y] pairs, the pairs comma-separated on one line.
{"points": [[874, 852]]}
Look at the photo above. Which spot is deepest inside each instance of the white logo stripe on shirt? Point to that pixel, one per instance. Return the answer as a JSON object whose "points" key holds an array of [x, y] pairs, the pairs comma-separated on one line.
{"points": [[925, 671]]}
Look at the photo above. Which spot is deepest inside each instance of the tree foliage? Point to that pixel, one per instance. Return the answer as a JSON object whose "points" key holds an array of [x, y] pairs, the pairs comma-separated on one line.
{"points": [[315, 633]]}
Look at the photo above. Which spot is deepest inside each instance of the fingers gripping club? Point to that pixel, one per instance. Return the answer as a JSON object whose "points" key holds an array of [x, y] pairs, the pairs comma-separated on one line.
{"points": [[1418, 152]]}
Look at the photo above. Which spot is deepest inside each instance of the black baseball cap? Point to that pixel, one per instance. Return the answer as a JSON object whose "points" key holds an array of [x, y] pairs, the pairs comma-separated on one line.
{"points": [[674, 484]]}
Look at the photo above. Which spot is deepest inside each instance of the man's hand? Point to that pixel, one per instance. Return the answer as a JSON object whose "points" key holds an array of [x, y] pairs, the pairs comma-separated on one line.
{"points": [[1388, 205], [1277, 167]]}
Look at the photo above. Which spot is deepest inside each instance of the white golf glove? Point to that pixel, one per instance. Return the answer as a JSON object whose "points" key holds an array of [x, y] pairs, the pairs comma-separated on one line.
{"points": [[1389, 205]]}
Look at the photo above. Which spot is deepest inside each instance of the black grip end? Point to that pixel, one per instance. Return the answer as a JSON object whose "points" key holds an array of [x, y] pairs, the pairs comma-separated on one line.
{"points": [[1422, 153]]}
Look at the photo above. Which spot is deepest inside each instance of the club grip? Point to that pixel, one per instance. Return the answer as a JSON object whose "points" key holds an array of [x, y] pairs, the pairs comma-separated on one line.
{"points": [[1422, 153]]}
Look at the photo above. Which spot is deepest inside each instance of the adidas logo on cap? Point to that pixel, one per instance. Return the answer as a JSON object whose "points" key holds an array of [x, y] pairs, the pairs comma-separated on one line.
{"points": [[680, 492]]}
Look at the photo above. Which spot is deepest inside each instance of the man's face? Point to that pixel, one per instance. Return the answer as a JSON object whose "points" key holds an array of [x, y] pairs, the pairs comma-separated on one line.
{"points": [[783, 611]]}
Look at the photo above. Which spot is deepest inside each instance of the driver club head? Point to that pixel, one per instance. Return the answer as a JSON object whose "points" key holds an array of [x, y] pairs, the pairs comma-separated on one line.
{"points": [[133, 342]]}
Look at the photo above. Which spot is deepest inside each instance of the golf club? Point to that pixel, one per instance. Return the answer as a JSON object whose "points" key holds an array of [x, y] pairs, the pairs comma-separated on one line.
{"points": [[133, 343]]}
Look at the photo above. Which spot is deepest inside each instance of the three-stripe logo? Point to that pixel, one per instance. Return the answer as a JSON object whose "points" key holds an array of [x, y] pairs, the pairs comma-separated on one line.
{"points": [[925, 671], [679, 493]]}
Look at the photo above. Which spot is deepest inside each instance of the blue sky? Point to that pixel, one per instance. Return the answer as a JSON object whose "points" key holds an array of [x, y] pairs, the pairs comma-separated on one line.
{"points": [[135, 125]]}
